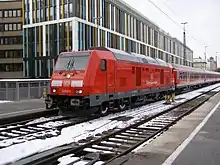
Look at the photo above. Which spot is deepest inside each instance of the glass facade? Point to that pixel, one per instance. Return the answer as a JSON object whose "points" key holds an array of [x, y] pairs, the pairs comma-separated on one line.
{"points": [[54, 26]]}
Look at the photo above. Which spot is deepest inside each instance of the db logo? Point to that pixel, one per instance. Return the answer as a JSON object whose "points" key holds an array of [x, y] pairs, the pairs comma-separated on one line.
{"points": [[66, 83]]}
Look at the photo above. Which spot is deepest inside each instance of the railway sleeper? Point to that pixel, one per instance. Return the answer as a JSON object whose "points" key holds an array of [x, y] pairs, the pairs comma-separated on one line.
{"points": [[115, 145]]}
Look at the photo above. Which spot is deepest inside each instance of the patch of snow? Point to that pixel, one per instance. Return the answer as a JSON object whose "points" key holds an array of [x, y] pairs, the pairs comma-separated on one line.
{"points": [[68, 159], [42, 119], [84, 162], [5, 101], [99, 163]]}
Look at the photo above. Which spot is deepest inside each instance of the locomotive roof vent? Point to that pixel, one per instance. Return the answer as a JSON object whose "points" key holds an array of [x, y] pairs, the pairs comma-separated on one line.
{"points": [[99, 48]]}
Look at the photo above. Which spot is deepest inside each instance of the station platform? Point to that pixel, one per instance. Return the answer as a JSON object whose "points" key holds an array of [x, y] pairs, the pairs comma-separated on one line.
{"points": [[193, 140], [21, 107], [203, 148]]}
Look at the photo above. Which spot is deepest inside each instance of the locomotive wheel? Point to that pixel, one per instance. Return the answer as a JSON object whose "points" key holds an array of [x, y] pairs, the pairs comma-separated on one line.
{"points": [[49, 106], [103, 109]]}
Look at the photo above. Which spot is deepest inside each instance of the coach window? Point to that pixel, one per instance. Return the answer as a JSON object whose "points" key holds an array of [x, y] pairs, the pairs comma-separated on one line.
{"points": [[103, 65]]}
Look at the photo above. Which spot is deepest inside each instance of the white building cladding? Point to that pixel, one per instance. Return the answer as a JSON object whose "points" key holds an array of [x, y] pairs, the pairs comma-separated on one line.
{"points": [[53, 26]]}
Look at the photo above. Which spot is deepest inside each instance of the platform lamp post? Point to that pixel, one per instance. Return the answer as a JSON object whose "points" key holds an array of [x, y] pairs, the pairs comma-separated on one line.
{"points": [[184, 43], [98, 18], [205, 56]]}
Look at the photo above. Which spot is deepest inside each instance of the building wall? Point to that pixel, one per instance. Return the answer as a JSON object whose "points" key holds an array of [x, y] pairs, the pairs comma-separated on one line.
{"points": [[212, 64], [61, 25], [11, 39], [199, 65]]}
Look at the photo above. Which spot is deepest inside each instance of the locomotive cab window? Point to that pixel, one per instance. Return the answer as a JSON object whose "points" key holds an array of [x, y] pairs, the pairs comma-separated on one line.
{"points": [[103, 65]]}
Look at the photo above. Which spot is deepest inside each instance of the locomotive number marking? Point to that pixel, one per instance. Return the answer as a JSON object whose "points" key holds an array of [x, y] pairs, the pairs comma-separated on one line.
{"points": [[66, 91]]}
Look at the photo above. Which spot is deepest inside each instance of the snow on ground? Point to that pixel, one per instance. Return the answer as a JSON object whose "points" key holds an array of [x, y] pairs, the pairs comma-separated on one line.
{"points": [[83, 130], [5, 101]]}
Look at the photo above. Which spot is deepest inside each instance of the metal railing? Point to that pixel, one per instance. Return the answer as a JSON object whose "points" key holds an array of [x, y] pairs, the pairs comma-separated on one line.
{"points": [[21, 89]]}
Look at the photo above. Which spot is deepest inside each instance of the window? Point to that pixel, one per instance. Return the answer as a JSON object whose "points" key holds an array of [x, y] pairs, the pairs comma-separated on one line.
{"points": [[19, 26], [103, 65], [14, 27], [19, 13], [1, 15], [11, 40], [6, 27], [10, 27], [11, 54], [10, 13], [2, 41], [5, 14], [72, 61], [11, 67], [6, 40], [14, 13]]}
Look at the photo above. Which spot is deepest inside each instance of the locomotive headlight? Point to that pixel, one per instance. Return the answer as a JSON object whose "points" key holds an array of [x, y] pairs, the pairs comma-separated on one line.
{"points": [[68, 76], [54, 90], [78, 91]]}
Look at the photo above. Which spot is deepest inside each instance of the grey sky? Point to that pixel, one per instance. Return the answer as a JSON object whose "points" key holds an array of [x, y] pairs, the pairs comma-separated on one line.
{"points": [[203, 26]]}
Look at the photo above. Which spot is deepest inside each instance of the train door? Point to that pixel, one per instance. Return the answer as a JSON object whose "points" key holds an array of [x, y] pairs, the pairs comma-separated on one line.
{"points": [[161, 77], [110, 76], [138, 76]]}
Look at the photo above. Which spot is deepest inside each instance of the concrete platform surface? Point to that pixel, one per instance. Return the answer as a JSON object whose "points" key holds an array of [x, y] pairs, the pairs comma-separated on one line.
{"points": [[204, 148], [169, 148], [23, 106]]}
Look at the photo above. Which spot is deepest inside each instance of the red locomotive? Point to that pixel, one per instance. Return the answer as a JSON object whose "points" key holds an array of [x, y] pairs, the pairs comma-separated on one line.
{"points": [[104, 78]]}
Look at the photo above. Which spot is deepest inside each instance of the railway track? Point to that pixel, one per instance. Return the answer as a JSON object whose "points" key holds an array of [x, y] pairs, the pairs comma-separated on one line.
{"points": [[49, 127], [104, 148]]}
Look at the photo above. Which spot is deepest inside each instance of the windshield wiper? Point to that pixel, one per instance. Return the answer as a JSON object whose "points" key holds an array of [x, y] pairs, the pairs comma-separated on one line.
{"points": [[70, 64]]}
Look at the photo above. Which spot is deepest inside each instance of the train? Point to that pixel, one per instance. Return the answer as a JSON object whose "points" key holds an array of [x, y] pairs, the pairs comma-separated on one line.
{"points": [[102, 79]]}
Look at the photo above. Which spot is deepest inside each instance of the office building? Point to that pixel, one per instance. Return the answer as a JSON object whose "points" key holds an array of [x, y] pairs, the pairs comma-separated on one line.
{"points": [[53, 26], [11, 60]]}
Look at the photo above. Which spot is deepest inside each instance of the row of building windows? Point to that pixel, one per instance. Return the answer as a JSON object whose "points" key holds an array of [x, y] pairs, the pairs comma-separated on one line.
{"points": [[58, 38], [10, 13], [10, 40], [112, 17], [15, 67], [41, 67], [11, 54], [10, 27]]}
